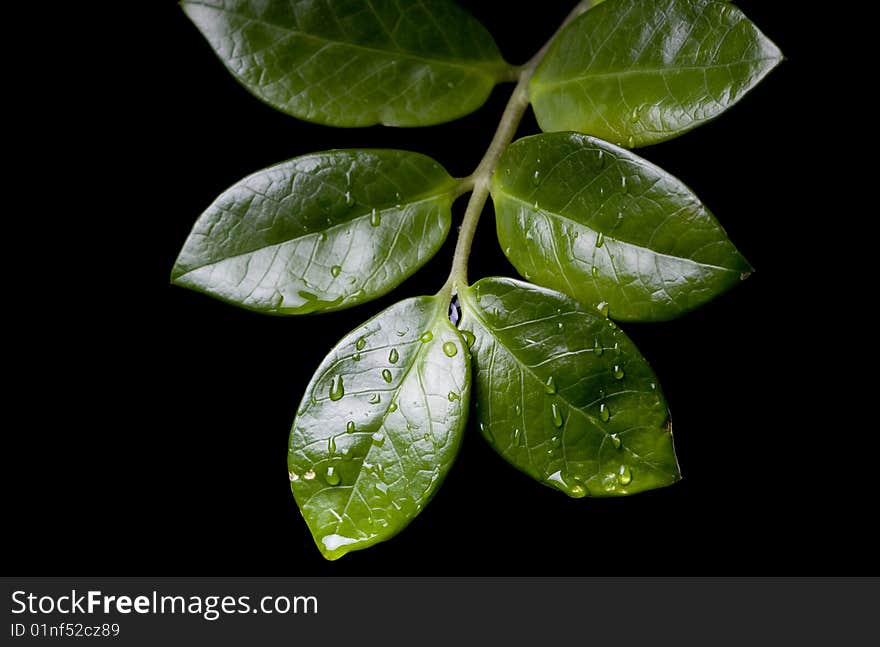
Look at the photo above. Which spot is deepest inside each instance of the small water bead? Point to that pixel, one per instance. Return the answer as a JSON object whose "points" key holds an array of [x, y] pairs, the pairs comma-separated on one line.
{"points": [[356, 357], [517, 437], [623, 183], [360, 343], [335, 270], [557, 415], [560, 325], [375, 398], [378, 438], [392, 407], [578, 491], [604, 413], [550, 385], [375, 217], [381, 488], [349, 199], [517, 410], [337, 388], [426, 436], [615, 441], [332, 476], [595, 272], [323, 236], [450, 349], [598, 348], [630, 141], [602, 307], [386, 375], [556, 441], [468, 337], [536, 177], [331, 444], [309, 475], [634, 115], [427, 336], [600, 239], [349, 427], [624, 475], [453, 396], [393, 356]]}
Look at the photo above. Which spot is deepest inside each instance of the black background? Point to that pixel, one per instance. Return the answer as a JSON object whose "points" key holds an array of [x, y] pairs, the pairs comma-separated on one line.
{"points": [[155, 420]]}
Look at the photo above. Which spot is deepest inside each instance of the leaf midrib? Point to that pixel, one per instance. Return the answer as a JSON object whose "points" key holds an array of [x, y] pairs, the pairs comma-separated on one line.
{"points": [[419, 199], [490, 70], [611, 238]]}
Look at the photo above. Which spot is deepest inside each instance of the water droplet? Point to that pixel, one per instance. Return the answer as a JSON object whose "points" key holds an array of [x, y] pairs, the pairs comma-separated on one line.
{"points": [[615, 441], [556, 477], [450, 349], [598, 348], [517, 410], [556, 441], [536, 177], [630, 141], [517, 437], [603, 308], [600, 239], [634, 116], [393, 356], [578, 491], [323, 236], [604, 413], [380, 471], [402, 333], [550, 385], [624, 475], [293, 476], [618, 372], [349, 200], [557, 415], [468, 337], [349, 426], [392, 407], [427, 436], [309, 475], [453, 396], [335, 270], [595, 272], [337, 389], [507, 251], [653, 386], [623, 183], [379, 438], [331, 444], [360, 343], [375, 398], [375, 217], [535, 206], [386, 375], [381, 488], [393, 502], [356, 357], [332, 476], [427, 336], [560, 325]]}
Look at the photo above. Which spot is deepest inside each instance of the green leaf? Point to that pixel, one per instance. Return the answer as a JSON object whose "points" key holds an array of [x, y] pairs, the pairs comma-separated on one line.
{"points": [[379, 426], [563, 395], [319, 232], [355, 63], [609, 228], [638, 72]]}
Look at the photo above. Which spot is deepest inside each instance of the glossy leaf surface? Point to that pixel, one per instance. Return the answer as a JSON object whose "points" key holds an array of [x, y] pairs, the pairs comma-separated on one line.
{"points": [[563, 394], [355, 63], [609, 228], [379, 425], [319, 232], [637, 72]]}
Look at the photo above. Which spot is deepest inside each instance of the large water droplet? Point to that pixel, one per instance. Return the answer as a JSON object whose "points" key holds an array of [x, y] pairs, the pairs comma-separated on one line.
{"points": [[393, 356], [600, 239], [615, 441], [332, 476], [452, 396], [349, 427], [618, 372], [427, 336], [375, 217], [602, 307], [335, 270], [386, 375], [595, 272], [557, 415], [379, 438], [468, 337], [360, 343], [450, 349], [337, 389], [624, 475], [392, 407], [550, 385], [604, 413]]}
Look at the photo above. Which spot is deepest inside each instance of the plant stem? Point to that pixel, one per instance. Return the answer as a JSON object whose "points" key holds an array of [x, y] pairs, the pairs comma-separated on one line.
{"points": [[478, 181]]}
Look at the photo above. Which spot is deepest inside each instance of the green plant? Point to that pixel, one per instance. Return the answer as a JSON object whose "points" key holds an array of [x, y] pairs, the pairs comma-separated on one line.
{"points": [[558, 389]]}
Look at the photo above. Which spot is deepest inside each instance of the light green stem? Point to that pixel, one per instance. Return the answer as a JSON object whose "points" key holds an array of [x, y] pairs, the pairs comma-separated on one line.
{"points": [[478, 181]]}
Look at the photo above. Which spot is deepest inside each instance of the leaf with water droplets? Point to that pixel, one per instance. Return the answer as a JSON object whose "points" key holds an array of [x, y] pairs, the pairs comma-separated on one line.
{"points": [[577, 436], [638, 72], [666, 255], [355, 63], [385, 443], [285, 240]]}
